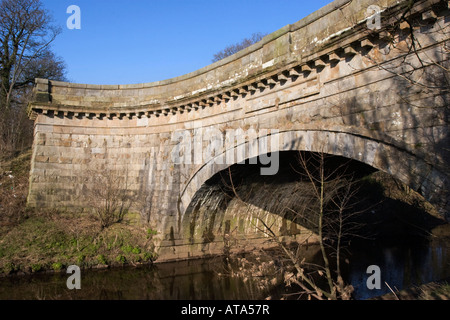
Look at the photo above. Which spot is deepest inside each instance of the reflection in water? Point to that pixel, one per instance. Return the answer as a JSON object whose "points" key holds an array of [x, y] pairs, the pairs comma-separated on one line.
{"points": [[196, 280], [403, 265]]}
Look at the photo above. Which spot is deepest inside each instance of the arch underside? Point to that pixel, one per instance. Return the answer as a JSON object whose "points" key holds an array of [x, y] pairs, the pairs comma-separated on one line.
{"points": [[401, 164]]}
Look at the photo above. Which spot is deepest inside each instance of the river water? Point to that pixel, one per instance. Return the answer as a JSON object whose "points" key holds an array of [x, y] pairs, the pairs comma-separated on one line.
{"points": [[402, 265], [410, 263]]}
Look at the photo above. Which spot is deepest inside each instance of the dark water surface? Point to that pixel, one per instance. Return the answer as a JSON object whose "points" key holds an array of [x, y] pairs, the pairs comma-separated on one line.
{"points": [[412, 262]]}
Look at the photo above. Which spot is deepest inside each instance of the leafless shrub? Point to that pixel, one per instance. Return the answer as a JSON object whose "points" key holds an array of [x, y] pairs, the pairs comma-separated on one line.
{"points": [[108, 196], [327, 204]]}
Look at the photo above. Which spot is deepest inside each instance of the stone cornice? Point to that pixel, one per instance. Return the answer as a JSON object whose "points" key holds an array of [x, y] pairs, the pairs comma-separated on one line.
{"points": [[290, 52]]}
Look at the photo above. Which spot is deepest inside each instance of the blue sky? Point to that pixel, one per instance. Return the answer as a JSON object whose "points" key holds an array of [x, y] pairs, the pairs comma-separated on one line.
{"points": [[135, 41]]}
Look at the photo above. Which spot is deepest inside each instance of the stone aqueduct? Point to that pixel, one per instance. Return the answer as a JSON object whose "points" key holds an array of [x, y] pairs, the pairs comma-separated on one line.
{"points": [[326, 83]]}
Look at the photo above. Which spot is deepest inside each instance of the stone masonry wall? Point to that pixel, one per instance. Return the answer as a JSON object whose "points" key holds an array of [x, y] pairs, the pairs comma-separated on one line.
{"points": [[325, 83]]}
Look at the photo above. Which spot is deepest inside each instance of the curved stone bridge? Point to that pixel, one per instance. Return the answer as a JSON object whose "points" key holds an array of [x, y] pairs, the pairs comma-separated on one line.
{"points": [[335, 81]]}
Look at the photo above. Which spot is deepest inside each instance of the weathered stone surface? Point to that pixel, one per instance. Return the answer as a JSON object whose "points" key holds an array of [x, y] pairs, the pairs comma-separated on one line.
{"points": [[320, 85]]}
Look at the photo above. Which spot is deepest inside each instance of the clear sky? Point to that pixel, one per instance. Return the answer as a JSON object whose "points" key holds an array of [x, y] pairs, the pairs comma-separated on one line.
{"points": [[136, 41]]}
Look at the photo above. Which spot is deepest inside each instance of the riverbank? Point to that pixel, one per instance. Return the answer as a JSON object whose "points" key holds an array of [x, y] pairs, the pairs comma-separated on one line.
{"points": [[55, 241], [436, 290], [33, 241]]}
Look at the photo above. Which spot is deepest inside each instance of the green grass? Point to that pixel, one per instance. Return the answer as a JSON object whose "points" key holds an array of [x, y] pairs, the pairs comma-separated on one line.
{"points": [[50, 243], [37, 240]]}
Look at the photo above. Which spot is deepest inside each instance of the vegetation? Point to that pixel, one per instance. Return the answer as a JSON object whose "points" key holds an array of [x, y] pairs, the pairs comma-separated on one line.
{"points": [[435, 291], [232, 49], [13, 188], [111, 202], [55, 242], [38, 240], [26, 33], [327, 205], [439, 290], [339, 207]]}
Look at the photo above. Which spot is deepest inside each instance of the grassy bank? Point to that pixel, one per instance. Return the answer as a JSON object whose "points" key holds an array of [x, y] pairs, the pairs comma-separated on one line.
{"points": [[54, 242], [41, 240]]}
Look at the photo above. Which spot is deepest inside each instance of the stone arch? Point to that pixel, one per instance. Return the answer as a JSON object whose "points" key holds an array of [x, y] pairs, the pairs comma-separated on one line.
{"points": [[401, 164]]}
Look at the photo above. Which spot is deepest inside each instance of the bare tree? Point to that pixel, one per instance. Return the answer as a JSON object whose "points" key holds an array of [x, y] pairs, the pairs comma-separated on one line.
{"points": [[232, 49], [26, 32], [329, 208], [327, 204]]}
